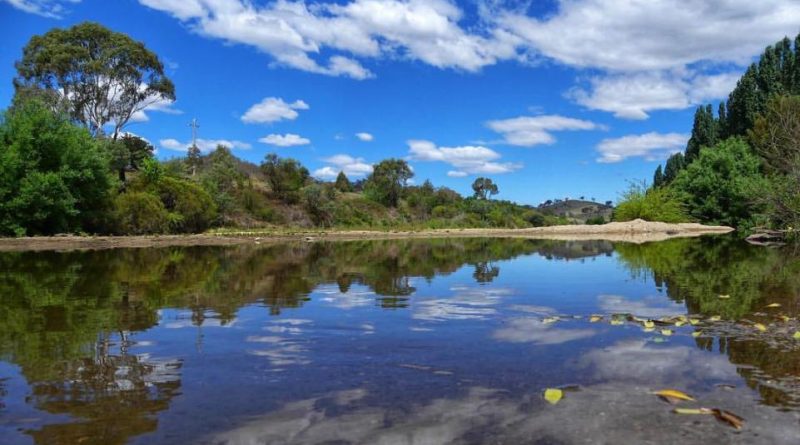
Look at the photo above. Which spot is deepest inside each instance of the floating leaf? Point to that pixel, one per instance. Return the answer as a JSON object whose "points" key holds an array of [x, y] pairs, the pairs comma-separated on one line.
{"points": [[649, 329], [673, 395], [649, 324], [696, 334], [728, 417], [679, 323], [549, 320], [693, 321], [796, 335], [691, 411], [760, 327], [666, 332], [773, 305], [715, 318], [595, 318], [724, 297], [616, 322], [553, 395]]}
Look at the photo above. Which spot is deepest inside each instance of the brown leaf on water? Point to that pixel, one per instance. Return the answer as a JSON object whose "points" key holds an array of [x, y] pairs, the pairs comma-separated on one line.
{"points": [[673, 396], [729, 418], [692, 411]]}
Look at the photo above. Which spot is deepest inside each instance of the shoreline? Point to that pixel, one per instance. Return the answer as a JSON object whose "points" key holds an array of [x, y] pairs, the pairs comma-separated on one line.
{"points": [[636, 231]]}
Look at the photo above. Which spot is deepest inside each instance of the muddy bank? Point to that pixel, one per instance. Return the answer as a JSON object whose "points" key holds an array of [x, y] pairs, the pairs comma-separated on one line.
{"points": [[637, 231]]}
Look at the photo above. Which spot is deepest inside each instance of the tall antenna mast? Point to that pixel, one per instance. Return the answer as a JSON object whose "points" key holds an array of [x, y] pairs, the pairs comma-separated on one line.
{"points": [[194, 126]]}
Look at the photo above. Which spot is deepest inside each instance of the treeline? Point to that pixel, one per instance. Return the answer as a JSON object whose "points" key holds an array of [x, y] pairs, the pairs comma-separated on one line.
{"points": [[67, 166], [741, 166]]}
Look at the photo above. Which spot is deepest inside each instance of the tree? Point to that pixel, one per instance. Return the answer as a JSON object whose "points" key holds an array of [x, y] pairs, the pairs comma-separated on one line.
{"points": [[658, 177], [484, 187], [388, 180], [776, 134], [53, 175], [194, 159], [723, 185], [675, 164], [128, 153], [285, 176], [343, 183], [704, 132], [106, 77]]}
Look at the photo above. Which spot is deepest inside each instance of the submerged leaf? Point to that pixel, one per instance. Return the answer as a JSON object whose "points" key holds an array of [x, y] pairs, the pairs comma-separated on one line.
{"points": [[773, 305], [696, 334], [553, 395], [679, 323], [728, 417], [760, 327], [796, 335], [673, 395], [666, 332], [724, 297], [693, 411]]}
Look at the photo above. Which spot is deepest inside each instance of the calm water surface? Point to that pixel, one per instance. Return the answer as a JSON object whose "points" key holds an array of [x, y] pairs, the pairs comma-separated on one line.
{"points": [[416, 341]]}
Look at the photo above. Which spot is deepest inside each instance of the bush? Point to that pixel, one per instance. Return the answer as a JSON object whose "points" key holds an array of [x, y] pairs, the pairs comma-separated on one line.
{"points": [[140, 213], [596, 221], [657, 204]]}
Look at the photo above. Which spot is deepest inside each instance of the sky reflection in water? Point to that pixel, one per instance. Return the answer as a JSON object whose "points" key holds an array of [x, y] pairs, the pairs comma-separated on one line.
{"points": [[395, 342]]}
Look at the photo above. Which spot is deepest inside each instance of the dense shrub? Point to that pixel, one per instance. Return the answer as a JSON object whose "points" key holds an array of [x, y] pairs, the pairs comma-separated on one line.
{"points": [[140, 213], [657, 204]]}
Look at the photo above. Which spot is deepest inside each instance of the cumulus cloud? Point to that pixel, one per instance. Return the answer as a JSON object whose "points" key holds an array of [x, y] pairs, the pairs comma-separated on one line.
{"points": [[54, 9], [466, 159], [366, 137], [351, 166], [651, 146], [632, 96], [527, 131], [284, 140], [205, 145], [273, 109]]}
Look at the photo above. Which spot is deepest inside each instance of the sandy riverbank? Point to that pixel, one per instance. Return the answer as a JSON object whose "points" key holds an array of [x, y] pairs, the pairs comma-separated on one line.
{"points": [[637, 231]]}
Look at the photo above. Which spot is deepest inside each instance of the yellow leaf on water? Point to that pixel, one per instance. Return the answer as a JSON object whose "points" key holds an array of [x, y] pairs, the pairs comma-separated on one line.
{"points": [[774, 305], [714, 318], [724, 297], [679, 323], [649, 324], [796, 335], [760, 327], [693, 321], [692, 411], [616, 322], [553, 395], [696, 334], [595, 318], [666, 332], [550, 320], [673, 395]]}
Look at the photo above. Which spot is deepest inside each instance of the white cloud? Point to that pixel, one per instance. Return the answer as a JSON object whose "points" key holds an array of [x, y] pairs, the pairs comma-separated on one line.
{"points": [[466, 159], [351, 166], [527, 131], [273, 109], [366, 137], [158, 105], [655, 34], [205, 145], [632, 96], [53, 9], [284, 140], [651, 146]]}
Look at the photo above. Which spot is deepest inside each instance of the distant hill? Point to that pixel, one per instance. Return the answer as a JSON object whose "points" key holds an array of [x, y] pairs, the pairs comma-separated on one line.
{"points": [[577, 211]]}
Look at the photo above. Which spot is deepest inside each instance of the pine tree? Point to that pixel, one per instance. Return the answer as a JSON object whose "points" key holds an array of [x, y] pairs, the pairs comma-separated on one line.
{"points": [[704, 132], [658, 177], [193, 159], [675, 164], [343, 183]]}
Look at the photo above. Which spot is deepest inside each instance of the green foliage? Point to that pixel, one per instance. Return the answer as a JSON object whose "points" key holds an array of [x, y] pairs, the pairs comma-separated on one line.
{"points": [[387, 181], [53, 175], [658, 177], [484, 188], [140, 213], [659, 204], [285, 176], [342, 183], [596, 221], [317, 201], [723, 185], [704, 132], [106, 75]]}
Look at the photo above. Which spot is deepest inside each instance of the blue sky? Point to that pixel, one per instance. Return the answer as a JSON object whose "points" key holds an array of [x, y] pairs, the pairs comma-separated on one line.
{"points": [[548, 98]]}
